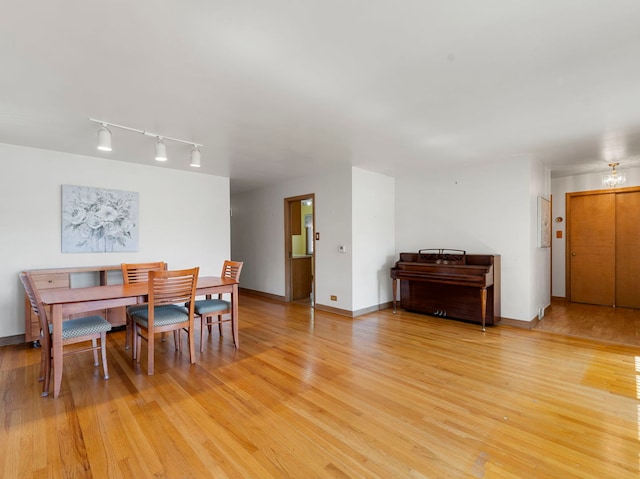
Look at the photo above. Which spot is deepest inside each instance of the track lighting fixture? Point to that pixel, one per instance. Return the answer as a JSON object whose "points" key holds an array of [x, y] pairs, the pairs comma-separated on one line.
{"points": [[195, 157], [104, 138], [104, 142]]}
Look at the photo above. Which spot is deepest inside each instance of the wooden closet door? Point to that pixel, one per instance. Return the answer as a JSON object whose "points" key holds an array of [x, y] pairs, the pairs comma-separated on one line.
{"points": [[592, 248], [628, 249]]}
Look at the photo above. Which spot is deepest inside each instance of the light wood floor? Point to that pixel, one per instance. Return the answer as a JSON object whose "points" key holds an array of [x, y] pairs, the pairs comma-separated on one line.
{"points": [[323, 396], [619, 325]]}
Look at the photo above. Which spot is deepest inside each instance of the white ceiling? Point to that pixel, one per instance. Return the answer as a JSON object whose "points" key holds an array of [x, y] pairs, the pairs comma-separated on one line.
{"points": [[282, 89]]}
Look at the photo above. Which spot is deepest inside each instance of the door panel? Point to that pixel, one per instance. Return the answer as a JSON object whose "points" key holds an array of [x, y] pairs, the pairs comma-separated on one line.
{"points": [[628, 249], [592, 249]]}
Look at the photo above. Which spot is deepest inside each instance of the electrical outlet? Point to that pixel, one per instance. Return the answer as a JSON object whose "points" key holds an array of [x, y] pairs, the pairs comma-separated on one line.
{"points": [[334, 297]]}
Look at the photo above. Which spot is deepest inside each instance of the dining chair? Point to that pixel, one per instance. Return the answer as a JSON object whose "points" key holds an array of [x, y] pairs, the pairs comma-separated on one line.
{"points": [[211, 308], [90, 328], [168, 291], [137, 273]]}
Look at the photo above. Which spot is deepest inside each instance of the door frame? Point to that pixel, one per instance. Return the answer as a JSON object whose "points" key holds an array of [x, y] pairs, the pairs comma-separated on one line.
{"points": [[287, 243]]}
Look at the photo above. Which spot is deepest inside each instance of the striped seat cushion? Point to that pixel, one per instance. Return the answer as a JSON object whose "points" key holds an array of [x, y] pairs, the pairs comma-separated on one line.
{"points": [[162, 315], [75, 328]]}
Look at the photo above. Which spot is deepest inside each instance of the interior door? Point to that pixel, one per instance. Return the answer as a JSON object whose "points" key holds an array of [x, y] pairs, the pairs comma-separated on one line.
{"points": [[592, 225], [628, 249], [299, 257]]}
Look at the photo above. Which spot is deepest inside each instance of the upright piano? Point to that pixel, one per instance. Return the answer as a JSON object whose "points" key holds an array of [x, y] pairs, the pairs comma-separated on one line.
{"points": [[449, 283]]}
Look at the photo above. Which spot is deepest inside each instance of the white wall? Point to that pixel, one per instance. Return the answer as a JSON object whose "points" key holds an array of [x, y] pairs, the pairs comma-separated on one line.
{"points": [[559, 188], [353, 207], [483, 209], [540, 292], [257, 236], [184, 217], [373, 249]]}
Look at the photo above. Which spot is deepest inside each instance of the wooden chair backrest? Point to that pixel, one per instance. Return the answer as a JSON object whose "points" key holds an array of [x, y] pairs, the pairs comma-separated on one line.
{"points": [[37, 306], [232, 269], [139, 272], [173, 287]]}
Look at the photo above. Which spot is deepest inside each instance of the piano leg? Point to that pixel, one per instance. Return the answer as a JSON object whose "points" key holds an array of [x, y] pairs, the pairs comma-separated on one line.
{"points": [[395, 283], [483, 301]]}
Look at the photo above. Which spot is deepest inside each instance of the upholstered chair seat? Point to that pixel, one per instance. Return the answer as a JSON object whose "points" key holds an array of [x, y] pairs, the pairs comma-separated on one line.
{"points": [[163, 315], [75, 328], [204, 306]]}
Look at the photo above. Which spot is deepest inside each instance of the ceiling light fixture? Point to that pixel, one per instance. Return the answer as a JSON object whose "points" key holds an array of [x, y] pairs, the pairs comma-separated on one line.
{"points": [[195, 157], [104, 138], [161, 150], [615, 178], [104, 141]]}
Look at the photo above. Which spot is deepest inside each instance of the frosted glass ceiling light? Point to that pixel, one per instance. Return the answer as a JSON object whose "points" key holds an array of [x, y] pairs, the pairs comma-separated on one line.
{"points": [[615, 178], [104, 138], [195, 157], [161, 150]]}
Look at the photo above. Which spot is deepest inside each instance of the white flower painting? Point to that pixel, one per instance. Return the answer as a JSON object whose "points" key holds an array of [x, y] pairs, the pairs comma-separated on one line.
{"points": [[97, 220]]}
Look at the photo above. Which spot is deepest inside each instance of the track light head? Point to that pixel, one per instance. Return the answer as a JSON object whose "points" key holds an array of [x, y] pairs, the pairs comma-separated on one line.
{"points": [[195, 157], [104, 138], [161, 150]]}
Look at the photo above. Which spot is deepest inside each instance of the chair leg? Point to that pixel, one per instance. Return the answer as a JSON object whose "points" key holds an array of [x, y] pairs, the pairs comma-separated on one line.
{"points": [[177, 340], [103, 347], [134, 340], [94, 344], [41, 373], [45, 385], [203, 322], [42, 361], [128, 333], [220, 324], [138, 343], [150, 353], [46, 372], [192, 346]]}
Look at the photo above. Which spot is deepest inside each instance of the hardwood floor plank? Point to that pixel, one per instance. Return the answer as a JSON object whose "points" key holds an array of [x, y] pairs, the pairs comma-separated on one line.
{"points": [[315, 395]]}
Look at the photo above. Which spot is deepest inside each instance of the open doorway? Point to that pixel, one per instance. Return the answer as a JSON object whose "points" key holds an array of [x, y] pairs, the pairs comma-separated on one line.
{"points": [[299, 246]]}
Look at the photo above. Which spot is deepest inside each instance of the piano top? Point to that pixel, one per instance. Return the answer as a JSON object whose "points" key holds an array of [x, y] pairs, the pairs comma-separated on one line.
{"points": [[477, 270]]}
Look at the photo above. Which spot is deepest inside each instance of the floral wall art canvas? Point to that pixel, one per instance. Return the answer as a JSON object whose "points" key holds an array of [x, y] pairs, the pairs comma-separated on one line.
{"points": [[98, 220], [544, 222]]}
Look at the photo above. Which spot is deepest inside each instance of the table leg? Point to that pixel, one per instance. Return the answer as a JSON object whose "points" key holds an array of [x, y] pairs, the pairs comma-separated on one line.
{"points": [[208, 296], [235, 315], [56, 318]]}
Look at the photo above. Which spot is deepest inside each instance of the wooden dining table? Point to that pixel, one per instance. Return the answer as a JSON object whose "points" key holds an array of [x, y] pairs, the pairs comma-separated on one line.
{"points": [[72, 301]]}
